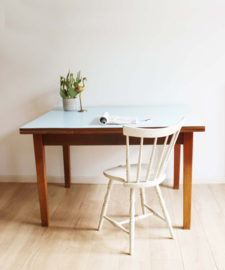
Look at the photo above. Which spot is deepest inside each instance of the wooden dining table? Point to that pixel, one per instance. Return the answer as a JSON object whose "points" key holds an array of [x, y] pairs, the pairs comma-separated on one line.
{"points": [[73, 128]]}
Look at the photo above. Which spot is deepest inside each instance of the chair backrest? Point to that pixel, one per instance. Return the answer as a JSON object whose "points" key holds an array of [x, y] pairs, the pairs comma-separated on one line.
{"points": [[165, 153]]}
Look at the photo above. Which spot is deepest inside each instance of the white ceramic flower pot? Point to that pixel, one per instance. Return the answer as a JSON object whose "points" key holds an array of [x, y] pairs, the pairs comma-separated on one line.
{"points": [[70, 104]]}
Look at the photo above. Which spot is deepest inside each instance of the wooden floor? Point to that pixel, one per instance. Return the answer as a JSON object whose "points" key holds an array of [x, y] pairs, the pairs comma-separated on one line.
{"points": [[72, 241]]}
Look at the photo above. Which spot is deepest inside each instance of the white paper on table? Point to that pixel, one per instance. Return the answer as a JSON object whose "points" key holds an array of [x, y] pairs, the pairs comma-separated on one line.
{"points": [[107, 119]]}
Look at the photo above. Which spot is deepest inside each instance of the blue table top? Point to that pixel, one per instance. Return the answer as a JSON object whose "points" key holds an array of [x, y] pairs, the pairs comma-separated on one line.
{"points": [[161, 116]]}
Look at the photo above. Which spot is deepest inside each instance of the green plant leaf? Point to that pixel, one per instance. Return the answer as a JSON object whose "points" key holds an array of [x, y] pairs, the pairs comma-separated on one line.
{"points": [[72, 93], [75, 84], [68, 84], [68, 75], [63, 84], [63, 93], [75, 93]]}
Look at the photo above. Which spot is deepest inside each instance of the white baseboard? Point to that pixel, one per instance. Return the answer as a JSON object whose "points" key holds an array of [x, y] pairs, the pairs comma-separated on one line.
{"points": [[52, 179], [209, 180], [199, 181], [95, 180]]}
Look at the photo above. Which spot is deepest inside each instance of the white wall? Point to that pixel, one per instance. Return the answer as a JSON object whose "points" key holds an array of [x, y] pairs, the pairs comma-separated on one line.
{"points": [[132, 52]]}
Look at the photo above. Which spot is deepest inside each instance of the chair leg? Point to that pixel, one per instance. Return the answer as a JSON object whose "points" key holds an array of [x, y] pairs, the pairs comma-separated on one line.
{"points": [[132, 222], [105, 204], [142, 194], [164, 210]]}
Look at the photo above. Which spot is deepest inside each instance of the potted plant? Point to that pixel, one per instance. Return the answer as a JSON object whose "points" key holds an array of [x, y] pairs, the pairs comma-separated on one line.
{"points": [[68, 92]]}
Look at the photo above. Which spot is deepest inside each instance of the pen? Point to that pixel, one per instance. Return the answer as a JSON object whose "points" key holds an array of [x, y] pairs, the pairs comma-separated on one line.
{"points": [[147, 120]]}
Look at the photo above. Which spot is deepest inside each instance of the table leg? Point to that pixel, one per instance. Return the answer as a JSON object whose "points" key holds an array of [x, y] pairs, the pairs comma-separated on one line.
{"points": [[176, 166], [66, 160], [39, 151], [187, 179]]}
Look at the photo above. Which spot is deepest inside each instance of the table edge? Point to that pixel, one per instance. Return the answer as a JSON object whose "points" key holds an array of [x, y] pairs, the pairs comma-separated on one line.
{"points": [[94, 130]]}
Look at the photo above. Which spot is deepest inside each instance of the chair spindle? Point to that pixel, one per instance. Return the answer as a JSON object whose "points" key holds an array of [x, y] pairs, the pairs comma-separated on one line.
{"points": [[139, 160], [161, 157], [151, 160], [128, 158]]}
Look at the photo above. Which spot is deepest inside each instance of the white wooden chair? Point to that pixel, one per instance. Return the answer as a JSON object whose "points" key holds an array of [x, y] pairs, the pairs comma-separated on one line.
{"points": [[142, 176]]}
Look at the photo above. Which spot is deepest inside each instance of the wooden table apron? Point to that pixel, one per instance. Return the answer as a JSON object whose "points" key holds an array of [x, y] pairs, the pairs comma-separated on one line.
{"points": [[107, 136]]}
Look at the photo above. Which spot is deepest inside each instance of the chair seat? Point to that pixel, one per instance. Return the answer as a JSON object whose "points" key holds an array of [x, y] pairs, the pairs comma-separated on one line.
{"points": [[119, 174]]}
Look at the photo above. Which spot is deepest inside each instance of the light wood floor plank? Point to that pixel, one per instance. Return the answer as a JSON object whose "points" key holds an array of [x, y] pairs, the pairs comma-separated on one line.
{"points": [[17, 208], [141, 258], [76, 249], [194, 245], [218, 191], [105, 250], [165, 252], [167, 265], [73, 242], [47, 249], [29, 230], [212, 219]]}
